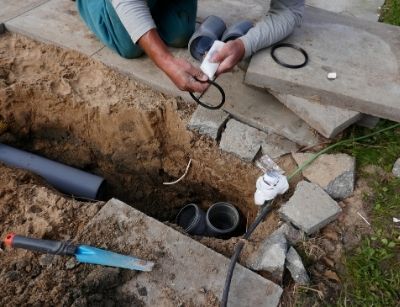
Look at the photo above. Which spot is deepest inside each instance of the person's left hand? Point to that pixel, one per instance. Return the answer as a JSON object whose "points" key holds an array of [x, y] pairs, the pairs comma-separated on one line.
{"points": [[229, 55]]}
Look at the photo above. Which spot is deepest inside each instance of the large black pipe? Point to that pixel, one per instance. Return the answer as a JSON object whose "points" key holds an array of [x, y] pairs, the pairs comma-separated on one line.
{"points": [[65, 178]]}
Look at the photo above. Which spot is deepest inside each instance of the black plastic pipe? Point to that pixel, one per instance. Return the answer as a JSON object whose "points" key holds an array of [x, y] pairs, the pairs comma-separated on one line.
{"points": [[65, 178]]}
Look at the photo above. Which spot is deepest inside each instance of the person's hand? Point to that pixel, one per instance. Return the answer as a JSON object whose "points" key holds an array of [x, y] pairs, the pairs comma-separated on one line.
{"points": [[184, 75], [229, 55]]}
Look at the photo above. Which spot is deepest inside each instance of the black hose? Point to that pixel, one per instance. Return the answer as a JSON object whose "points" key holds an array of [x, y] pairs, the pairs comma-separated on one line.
{"points": [[206, 105], [238, 249]]}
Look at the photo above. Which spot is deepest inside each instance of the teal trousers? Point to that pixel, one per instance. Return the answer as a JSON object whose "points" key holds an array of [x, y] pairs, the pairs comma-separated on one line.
{"points": [[175, 21]]}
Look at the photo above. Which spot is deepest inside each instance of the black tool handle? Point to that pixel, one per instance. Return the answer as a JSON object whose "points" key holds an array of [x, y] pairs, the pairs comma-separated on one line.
{"points": [[39, 245]]}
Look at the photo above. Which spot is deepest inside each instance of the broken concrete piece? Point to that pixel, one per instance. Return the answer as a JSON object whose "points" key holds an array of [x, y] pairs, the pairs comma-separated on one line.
{"points": [[186, 272], [276, 146], [396, 168], [57, 22], [327, 120], [292, 234], [270, 256], [208, 122], [296, 267], [242, 140], [310, 208], [368, 81], [334, 173], [368, 121]]}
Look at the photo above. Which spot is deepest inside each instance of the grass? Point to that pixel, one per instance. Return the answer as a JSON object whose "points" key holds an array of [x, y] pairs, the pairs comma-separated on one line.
{"points": [[390, 12]]}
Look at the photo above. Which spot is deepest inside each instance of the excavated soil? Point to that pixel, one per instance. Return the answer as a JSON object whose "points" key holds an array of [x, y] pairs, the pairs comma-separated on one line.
{"points": [[66, 107]]}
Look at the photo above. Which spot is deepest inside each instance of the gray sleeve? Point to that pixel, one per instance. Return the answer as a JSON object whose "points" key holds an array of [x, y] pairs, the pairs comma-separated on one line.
{"points": [[282, 18], [135, 16]]}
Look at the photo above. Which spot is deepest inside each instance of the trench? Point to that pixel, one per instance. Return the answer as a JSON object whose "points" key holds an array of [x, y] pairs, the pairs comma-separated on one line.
{"points": [[65, 107]]}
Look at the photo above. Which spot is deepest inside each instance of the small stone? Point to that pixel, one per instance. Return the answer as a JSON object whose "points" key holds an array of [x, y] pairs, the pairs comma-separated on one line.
{"points": [[332, 76], [71, 263], [310, 208], [208, 122], [292, 234], [28, 268], [296, 267], [46, 260], [334, 173], [396, 168], [270, 256]]}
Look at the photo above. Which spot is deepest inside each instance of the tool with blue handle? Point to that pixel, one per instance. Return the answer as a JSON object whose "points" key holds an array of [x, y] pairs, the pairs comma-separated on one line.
{"points": [[83, 253]]}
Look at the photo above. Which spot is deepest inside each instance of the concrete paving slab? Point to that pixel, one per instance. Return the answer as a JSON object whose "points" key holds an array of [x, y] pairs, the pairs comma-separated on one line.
{"points": [[208, 122], [186, 272], [328, 120], [364, 9], [252, 106], [365, 55], [242, 140], [56, 22], [335, 173], [310, 208], [11, 8]]}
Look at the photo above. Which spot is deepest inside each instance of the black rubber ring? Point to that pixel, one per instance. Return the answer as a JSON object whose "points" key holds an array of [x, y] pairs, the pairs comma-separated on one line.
{"points": [[205, 105], [277, 46]]}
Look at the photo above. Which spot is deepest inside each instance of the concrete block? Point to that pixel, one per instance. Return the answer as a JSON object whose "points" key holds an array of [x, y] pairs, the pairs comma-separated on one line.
{"points": [[365, 55], [296, 267], [396, 168], [252, 106], [328, 120], [334, 173], [310, 208], [242, 140], [270, 256], [56, 22], [12, 8], [368, 121], [186, 272], [208, 122]]}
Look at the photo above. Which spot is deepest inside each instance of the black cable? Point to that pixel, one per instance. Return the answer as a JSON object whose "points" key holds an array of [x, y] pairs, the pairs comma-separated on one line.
{"points": [[238, 249], [294, 66], [206, 105]]}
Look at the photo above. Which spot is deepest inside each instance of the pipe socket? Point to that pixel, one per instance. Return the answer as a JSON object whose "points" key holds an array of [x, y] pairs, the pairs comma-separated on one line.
{"points": [[192, 219]]}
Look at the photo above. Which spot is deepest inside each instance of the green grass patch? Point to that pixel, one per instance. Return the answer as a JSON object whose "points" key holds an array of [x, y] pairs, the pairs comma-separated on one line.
{"points": [[390, 12]]}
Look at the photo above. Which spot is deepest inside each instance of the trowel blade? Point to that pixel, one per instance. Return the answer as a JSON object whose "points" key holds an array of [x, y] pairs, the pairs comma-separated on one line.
{"points": [[89, 254]]}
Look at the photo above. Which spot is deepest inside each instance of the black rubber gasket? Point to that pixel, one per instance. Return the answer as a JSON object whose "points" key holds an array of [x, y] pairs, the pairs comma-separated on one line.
{"points": [[206, 105], [303, 52]]}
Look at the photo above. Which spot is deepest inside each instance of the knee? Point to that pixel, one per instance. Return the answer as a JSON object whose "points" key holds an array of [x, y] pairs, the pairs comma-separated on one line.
{"points": [[130, 53]]}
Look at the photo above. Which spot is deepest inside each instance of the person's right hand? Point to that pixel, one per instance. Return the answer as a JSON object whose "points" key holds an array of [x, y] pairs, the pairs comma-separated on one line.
{"points": [[184, 75]]}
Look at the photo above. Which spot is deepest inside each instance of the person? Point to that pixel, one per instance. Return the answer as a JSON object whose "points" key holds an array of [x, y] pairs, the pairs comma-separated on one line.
{"points": [[134, 27]]}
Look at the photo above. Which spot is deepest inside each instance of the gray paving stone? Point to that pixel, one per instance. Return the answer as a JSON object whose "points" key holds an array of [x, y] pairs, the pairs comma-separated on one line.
{"points": [[249, 105], [11, 8], [208, 122], [276, 146], [368, 121], [328, 120], [296, 267], [396, 168], [186, 272], [270, 256], [334, 173], [365, 55], [310, 208], [56, 22], [242, 140]]}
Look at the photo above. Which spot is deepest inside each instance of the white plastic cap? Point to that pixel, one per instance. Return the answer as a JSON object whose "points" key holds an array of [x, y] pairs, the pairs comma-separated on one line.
{"points": [[210, 68], [269, 186]]}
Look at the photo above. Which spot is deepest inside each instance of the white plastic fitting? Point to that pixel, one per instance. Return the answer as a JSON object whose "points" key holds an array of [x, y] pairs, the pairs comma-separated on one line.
{"points": [[270, 185], [208, 67]]}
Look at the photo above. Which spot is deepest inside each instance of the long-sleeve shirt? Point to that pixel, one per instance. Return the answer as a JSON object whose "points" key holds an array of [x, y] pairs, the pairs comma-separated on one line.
{"points": [[282, 18]]}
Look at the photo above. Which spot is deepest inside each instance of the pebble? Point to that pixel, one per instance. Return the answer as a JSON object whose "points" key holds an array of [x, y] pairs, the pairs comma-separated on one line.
{"points": [[46, 260], [71, 263]]}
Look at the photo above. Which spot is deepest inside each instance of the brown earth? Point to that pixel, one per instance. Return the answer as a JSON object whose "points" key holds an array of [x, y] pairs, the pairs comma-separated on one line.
{"points": [[64, 106]]}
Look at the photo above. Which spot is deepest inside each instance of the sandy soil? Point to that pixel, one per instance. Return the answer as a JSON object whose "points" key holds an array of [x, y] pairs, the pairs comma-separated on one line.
{"points": [[67, 107]]}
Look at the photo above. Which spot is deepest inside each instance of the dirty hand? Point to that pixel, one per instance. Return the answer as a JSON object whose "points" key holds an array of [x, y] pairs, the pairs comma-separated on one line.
{"points": [[184, 75], [229, 55]]}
